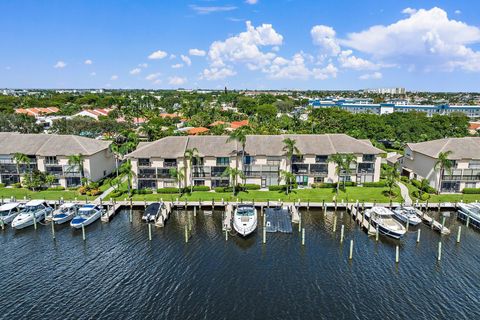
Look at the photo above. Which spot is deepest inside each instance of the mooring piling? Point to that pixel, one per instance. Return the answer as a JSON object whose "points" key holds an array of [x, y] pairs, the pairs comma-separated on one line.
{"points": [[350, 256], [53, 229], [459, 234], [342, 231], [303, 236], [418, 235], [439, 255], [377, 232], [334, 223], [149, 231], [186, 234], [84, 237], [397, 254]]}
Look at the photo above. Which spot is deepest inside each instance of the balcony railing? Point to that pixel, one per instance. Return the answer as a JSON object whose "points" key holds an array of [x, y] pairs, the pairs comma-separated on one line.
{"points": [[259, 170]]}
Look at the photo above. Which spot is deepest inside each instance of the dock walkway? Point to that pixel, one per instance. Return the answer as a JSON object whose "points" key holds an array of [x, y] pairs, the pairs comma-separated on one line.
{"points": [[278, 220]]}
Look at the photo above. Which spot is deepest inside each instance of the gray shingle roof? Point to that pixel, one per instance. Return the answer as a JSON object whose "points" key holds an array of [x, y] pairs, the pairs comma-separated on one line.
{"points": [[269, 145], [462, 148], [49, 144]]}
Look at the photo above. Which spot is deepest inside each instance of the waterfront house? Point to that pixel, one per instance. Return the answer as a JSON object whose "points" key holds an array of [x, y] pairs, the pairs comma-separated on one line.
{"points": [[420, 158], [263, 161], [50, 153]]}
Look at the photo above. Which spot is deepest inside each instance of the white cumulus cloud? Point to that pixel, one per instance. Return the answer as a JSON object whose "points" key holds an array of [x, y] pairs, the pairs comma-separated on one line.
{"points": [[348, 60], [186, 60], [376, 75], [114, 77], [176, 81], [156, 55], [88, 62], [60, 65], [251, 1], [324, 37], [217, 73], [135, 71], [177, 65], [153, 76], [197, 52]]}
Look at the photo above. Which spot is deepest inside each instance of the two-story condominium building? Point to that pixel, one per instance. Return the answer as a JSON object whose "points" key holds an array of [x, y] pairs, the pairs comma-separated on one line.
{"points": [[420, 158], [262, 163], [50, 153]]}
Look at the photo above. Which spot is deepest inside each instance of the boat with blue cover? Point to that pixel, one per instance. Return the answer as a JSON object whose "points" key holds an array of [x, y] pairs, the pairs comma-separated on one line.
{"points": [[86, 215]]}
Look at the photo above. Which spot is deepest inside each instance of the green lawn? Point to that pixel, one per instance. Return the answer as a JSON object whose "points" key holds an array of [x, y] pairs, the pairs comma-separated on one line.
{"points": [[313, 195], [435, 198], [20, 193]]}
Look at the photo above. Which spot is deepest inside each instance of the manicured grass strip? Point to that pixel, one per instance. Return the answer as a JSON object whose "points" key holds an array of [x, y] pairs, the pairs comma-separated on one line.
{"points": [[436, 198], [20, 193]]}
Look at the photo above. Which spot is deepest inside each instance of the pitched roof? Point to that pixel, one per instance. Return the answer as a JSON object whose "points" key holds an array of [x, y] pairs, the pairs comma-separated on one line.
{"points": [[49, 144], [238, 124], [269, 145], [461, 148], [198, 130], [37, 111]]}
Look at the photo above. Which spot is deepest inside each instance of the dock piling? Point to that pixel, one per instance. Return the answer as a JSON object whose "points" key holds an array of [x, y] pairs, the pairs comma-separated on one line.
{"points": [[83, 233], [418, 235], [342, 231], [150, 232], [459, 234], [439, 256], [351, 250], [376, 233], [194, 211], [130, 214], [53, 230], [468, 221], [408, 224], [264, 234], [303, 236], [34, 221], [226, 235], [397, 254], [334, 223], [186, 234]]}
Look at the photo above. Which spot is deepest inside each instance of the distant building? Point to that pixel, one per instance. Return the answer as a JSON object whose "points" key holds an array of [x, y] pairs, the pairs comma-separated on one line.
{"points": [[420, 158], [49, 153], [94, 113], [392, 91], [37, 112]]}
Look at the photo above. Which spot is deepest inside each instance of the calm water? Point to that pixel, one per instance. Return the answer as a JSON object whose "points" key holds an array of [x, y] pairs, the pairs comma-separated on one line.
{"points": [[118, 273]]}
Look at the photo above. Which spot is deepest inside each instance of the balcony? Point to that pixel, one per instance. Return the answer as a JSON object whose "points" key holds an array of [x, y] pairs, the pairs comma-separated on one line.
{"points": [[149, 173], [319, 169], [259, 170], [169, 164], [55, 170], [365, 168]]}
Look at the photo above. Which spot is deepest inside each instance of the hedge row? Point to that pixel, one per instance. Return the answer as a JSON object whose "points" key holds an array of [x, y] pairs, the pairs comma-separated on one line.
{"points": [[379, 184], [332, 185], [471, 190]]}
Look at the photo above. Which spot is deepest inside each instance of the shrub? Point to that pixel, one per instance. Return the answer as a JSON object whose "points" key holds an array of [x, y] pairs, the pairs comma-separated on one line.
{"points": [[201, 188], [116, 193], [404, 178], [430, 189], [17, 185], [379, 184], [2, 185], [250, 186], [223, 189], [168, 190], [143, 191], [471, 190], [332, 185], [277, 188], [424, 196], [56, 188], [95, 192], [416, 183], [82, 190]]}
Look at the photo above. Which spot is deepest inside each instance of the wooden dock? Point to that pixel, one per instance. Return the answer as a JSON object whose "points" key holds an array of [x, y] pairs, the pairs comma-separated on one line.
{"points": [[361, 220], [227, 218]]}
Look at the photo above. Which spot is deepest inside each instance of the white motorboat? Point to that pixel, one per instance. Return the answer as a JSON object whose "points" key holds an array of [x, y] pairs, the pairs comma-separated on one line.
{"points": [[407, 214], [245, 219], [471, 212], [9, 211], [387, 225], [34, 211], [64, 213], [86, 215], [152, 211]]}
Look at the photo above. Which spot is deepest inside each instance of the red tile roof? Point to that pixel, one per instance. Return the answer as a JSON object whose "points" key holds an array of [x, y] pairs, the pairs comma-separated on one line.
{"points": [[37, 111], [238, 124], [198, 130]]}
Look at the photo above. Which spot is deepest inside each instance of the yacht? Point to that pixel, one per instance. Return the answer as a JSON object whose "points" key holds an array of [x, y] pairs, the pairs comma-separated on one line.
{"points": [[9, 211], [151, 212], [387, 225], [86, 215], [245, 219], [471, 210], [34, 210], [64, 213], [407, 214]]}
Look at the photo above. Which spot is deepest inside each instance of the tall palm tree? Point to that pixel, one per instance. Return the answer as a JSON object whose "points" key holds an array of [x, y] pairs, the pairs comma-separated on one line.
{"points": [[391, 176], [115, 149], [76, 160], [127, 169], [188, 156], [337, 159], [233, 174], [20, 159], [348, 160], [290, 148], [443, 164], [178, 175], [239, 136], [289, 178]]}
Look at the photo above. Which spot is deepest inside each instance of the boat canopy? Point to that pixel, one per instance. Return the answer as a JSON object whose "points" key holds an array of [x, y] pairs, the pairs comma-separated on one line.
{"points": [[9, 206]]}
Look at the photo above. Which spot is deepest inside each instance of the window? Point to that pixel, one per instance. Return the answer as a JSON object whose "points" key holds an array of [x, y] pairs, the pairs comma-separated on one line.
{"points": [[297, 159], [301, 180], [273, 161], [368, 158], [470, 185], [51, 160], [170, 163], [223, 161], [144, 162], [220, 183], [198, 182], [474, 164], [318, 179], [197, 161], [249, 160], [321, 159], [147, 184]]}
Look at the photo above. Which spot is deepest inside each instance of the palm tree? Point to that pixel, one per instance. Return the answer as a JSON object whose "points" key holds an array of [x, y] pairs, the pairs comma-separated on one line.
{"points": [[424, 184], [289, 179], [49, 179], [233, 174], [337, 159], [391, 176], [239, 136], [115, 149], [290, 149], [20, 159], [188, 156], [443, 164], [178, 175], [76, 160], [348, 160], [127, 168]]}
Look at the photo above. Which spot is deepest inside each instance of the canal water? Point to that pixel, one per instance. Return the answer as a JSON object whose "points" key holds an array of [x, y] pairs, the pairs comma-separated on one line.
{"points": [[118, 274]]}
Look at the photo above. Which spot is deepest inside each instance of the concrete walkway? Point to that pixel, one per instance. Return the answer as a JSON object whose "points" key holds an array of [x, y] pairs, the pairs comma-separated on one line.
{"points": [[405, 193], [107, 192]]}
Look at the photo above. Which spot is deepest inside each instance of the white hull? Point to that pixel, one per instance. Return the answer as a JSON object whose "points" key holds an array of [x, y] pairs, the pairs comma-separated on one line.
{"points": [[24, 220], [57, 219], [88, 221], [245, 224], [8, 219]]}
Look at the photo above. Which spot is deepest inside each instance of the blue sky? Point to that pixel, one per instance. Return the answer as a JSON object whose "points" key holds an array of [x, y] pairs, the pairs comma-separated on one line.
{"points": [[262, 44]]}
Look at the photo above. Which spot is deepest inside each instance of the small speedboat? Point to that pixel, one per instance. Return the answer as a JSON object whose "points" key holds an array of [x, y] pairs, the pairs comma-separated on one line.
{"points": [[64, 213], [34, 211], [151, 212], [86, 215], [245, 219], [9, 211], [471, 212], [407, 214], [387, 225]]}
